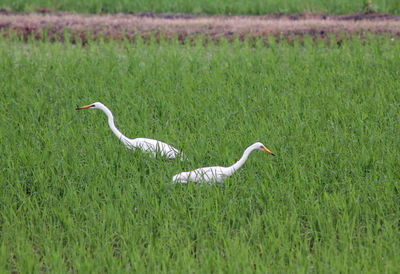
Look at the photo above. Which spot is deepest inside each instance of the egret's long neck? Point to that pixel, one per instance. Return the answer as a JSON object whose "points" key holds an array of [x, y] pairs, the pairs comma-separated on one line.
{"points": [[239, 163], [110, 116]]}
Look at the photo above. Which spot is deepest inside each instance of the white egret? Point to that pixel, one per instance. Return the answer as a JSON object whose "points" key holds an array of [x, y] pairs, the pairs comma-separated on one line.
{"points": [[217, 173], [148, 145]]}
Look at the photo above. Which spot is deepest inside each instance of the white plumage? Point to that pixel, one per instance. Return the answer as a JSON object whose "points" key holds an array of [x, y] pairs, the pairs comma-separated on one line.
{"points": [[217, 173], [147, 145]]}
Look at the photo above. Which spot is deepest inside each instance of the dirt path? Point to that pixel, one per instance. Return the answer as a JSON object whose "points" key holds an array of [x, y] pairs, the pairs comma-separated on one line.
{"points": [[183, 25]]}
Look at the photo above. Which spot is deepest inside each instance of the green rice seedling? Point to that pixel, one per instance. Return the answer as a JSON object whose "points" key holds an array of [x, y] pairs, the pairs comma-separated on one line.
{"points": [[73, 198]]}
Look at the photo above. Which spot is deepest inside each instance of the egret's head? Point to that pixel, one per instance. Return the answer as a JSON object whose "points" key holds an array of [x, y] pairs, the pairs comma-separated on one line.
{"points": [[260, 146], [97, 105]]}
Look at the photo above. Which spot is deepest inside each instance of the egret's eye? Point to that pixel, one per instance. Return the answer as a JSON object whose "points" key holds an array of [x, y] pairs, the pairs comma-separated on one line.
{"points": [[92, 106]]}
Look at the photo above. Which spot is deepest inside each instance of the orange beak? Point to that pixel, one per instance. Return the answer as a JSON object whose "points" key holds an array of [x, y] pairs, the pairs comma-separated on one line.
{"points": [[268, 151], [84, 107]]}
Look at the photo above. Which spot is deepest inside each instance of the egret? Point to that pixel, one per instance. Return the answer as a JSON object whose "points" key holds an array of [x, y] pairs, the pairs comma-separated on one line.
{"points": [[148, 145], [217, 173]]}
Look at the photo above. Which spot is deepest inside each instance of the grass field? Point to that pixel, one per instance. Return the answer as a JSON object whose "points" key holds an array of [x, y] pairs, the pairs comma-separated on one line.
{"points": [[208, 6], [74, 199]]}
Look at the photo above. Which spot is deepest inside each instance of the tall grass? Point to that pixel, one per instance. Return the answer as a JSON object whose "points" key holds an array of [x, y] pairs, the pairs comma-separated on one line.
{"points": [[72, 198], [208, 6]]}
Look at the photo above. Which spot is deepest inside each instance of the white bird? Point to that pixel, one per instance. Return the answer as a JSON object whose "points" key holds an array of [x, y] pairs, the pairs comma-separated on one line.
{"points": [[217, 173], [148, 145]]}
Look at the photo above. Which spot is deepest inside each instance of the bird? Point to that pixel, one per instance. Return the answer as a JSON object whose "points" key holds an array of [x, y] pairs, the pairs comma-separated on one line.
{"points": [[147, 145], [217, 173]]}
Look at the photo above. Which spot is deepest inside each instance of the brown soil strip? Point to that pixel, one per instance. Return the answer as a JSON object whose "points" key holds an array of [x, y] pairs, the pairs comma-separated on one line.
{"points": [[117, 26]]}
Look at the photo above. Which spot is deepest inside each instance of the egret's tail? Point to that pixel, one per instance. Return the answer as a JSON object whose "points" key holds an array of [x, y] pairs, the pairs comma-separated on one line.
{"points": [[178, 179]]}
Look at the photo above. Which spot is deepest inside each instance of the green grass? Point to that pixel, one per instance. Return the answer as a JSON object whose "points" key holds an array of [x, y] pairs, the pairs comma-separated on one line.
{"points": [[208, 6], [73, 199]]}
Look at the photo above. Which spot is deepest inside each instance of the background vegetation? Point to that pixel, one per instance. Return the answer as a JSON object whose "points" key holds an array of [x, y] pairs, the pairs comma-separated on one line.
{"points": [[208, 6]]}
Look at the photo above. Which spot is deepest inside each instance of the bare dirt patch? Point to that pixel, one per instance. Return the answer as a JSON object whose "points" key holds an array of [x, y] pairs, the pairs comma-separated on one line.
{"points": [[118, 26]]}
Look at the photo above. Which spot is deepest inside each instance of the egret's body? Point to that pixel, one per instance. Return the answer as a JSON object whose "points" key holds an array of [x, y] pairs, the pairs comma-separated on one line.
{"points": [[147, 145], [217, 173]]}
